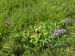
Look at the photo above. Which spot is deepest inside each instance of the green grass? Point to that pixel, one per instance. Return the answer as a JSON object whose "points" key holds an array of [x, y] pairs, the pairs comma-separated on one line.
{"points": [[31, 24]]}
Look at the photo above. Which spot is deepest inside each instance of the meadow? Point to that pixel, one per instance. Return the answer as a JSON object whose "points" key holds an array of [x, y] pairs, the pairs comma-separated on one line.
{"points": [[37, 27]]}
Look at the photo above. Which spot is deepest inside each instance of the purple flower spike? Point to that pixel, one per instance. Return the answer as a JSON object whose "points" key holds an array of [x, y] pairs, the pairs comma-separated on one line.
{"points": [[58, 32], [62, 31]]}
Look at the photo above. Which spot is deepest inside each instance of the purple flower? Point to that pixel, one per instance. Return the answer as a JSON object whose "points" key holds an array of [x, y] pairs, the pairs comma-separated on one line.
{"points": [[62, 31], [58, 32], [66, 21]]}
